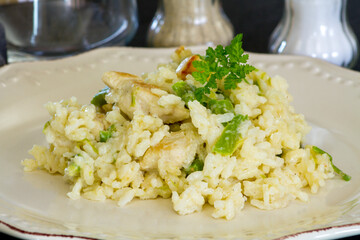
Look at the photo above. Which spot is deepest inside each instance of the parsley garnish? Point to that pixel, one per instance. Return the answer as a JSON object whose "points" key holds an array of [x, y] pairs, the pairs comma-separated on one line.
{"points": [[227, 64]]}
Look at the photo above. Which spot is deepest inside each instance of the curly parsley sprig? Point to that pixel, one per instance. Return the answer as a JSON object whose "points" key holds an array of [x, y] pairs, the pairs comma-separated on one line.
{"points": [[227, 64]]}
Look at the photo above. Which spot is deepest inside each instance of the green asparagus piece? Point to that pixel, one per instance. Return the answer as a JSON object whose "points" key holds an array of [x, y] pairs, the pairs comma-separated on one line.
{"points": [[196, 165], [343, 175], [99, 98], [185, 91], [221, 106], [231, 137]]}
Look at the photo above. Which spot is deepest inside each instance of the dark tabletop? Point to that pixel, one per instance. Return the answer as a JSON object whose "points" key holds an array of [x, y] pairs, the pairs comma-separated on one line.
{"points": [[256, 19]]}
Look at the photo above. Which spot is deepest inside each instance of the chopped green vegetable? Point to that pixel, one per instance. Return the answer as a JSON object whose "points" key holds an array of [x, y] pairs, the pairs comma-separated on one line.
{"points": [[105, 135], [230, 138], [185, 91], [201, 96], [263, 82], [73, 170], [196, 165], [87, 141], [221, 106], [133, 99], [336, 169], [227, 64], [99, 98], [112, 128], [47, 124]]}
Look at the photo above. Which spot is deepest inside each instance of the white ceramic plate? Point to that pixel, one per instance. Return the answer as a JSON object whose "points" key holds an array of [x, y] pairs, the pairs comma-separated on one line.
{"points": [[34, 205]]}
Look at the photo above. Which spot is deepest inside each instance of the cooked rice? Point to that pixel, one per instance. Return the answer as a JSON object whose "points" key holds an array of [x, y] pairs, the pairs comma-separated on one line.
{"points": [[268, 170]]}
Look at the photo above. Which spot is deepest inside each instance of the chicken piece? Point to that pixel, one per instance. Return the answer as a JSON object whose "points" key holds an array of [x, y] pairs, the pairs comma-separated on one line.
{"points": [[173, 153], [186, 67], [138, 95]]}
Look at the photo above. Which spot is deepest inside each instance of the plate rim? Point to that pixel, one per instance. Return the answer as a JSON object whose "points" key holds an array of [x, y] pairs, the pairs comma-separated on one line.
{"points": [[10, 229]]}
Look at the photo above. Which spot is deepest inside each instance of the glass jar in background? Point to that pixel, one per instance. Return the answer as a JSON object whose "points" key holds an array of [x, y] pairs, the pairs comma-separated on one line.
{"points": [[316, 28], [55, 28], [189, 22]]}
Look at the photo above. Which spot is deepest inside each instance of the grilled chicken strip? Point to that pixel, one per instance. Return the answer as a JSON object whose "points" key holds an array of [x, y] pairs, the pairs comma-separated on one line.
{"points": [[186, 67], [138, 95], [173, 152]]}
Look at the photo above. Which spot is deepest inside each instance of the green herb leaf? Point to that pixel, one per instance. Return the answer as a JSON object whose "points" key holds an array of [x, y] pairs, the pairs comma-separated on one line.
{"points": [[210, 55], [201, 96], [200, 76], [222, 64], [201, 66], [231, 81], [211, 83], [336, 169], [235, 50]]}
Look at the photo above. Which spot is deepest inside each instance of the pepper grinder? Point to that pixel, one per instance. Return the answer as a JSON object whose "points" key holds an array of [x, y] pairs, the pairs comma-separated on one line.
{"points": [[316, 28], [189, 22]]}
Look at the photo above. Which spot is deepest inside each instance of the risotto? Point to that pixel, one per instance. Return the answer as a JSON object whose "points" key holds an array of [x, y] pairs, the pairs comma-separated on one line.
{"points": [[166, 134]]}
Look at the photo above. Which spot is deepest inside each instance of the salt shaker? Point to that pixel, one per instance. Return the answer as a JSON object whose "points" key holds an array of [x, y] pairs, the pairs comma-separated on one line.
{"points": [[189, 22], [316, 28]]}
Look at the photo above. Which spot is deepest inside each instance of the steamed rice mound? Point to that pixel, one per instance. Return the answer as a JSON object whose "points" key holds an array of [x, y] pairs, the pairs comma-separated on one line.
{"points": [[145, 157]]}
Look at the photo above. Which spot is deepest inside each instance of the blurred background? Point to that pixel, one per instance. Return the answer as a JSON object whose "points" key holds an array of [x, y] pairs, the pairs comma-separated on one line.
{"points": [[256, 19], [87, 24]]}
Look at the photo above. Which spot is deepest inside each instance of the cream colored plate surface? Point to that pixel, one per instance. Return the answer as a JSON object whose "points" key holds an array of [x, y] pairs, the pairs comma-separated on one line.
{"points": [[34, 205]]}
